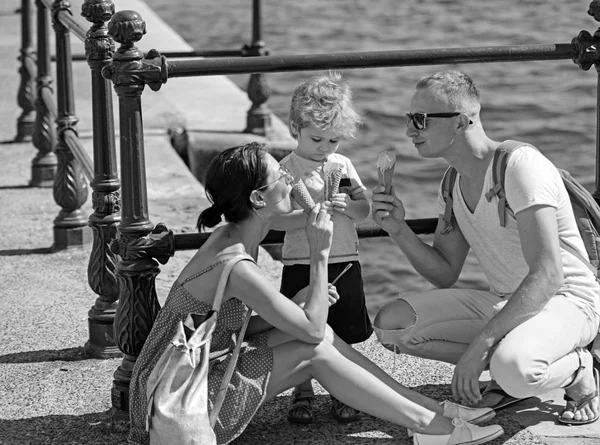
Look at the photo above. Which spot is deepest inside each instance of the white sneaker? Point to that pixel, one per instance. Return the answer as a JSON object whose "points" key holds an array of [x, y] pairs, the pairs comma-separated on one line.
{"points": [[464, 433], [471, 415]]}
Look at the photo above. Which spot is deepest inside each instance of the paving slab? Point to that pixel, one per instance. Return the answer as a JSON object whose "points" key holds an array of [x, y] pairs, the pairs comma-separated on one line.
{"points": [[50, 391]]}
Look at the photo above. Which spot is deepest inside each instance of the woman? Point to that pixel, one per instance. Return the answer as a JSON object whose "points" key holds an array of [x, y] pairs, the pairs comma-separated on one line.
{"points": [[289, 341]]}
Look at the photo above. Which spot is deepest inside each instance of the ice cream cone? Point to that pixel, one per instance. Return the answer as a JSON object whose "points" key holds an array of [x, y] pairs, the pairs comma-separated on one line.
{"points": [[386, 163], [333, 182], [301, 195]]}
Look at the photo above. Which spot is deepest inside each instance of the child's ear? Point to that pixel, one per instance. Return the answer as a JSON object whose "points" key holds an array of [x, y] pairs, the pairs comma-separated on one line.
{"points": [[294, 129]]}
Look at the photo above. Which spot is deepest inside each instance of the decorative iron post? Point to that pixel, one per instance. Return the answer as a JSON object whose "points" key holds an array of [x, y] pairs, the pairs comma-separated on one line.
{"points": [[258, 118], [43, 165], [136, 244], [70, 184], [99, 49], [587, 53], [26, 92]]}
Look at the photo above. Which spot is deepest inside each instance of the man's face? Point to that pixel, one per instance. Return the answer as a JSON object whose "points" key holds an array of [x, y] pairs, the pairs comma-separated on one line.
{"points": [[434, 140]]}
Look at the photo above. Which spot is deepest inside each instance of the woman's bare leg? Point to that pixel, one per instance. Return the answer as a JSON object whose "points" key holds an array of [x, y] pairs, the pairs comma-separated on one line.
{"points": [[334, 365]]}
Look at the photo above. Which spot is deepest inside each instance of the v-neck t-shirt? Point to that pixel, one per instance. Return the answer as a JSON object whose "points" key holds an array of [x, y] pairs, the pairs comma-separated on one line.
{"points": [[531, 180]]}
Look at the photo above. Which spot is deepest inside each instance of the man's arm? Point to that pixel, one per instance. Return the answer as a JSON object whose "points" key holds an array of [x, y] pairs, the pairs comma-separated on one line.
{"points": [[441, 263], [538, 233]]}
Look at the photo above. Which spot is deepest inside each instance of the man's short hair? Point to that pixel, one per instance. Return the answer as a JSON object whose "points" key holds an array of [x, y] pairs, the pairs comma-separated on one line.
{"points": [[459, 90]]}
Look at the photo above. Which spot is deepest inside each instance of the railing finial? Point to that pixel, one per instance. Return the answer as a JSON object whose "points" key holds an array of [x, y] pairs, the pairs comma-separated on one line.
{"points": [[130, 67]]}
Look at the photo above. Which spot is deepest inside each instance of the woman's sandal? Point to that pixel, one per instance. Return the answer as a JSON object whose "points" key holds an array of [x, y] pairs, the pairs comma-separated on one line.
{"points": [[342, 412], [300, 409], [576, 405]]}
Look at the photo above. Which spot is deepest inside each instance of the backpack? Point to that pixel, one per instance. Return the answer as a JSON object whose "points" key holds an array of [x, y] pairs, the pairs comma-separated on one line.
{"points": [[585, 209]]}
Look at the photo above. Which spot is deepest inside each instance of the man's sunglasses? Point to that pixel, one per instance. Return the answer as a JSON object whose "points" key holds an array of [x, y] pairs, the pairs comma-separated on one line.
{"points": [[419, 120], [284, 173]]}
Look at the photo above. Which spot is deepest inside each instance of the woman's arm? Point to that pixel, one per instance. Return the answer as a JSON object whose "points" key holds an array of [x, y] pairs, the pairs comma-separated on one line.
{"points": [[307, 323], [290, 221]]}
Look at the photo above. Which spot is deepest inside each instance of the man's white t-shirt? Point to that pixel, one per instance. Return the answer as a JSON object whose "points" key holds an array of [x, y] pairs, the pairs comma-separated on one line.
{"points": [[531, 179]]}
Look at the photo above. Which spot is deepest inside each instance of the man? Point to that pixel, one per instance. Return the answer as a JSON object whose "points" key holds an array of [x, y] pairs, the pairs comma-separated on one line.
{"points": [[543, 306]]}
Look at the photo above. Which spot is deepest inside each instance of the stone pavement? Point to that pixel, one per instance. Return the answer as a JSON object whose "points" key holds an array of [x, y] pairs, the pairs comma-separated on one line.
{"points": [[50, 391]]}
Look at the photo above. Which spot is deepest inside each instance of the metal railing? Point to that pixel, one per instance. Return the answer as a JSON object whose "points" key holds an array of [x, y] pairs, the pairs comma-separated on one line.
{"points": [[127, 246]]}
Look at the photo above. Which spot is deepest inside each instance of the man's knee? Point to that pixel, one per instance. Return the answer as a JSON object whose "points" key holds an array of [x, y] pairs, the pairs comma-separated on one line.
{"points": [[398, 314], [519, 374], [392, 323]]}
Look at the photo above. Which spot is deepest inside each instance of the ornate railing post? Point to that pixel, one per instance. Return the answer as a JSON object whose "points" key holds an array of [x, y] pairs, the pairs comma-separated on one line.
{"points": [[26, 93], [70, 185], [136, 245], [99, 49], [258, 118], [588, 54], [43, 165]]}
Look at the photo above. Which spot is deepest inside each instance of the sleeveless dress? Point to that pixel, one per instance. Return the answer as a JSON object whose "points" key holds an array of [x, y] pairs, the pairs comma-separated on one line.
{"points": [[248, 386]]}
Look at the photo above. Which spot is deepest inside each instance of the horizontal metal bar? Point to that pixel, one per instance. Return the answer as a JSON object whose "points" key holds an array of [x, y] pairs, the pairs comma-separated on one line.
{"points": [[373, 59], [75, 146], [209, 53], [75, 25], [193, 241]]}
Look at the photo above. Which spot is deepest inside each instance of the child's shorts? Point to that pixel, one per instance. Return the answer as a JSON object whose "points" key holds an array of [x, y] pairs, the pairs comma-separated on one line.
{"points": [[348, 317]]}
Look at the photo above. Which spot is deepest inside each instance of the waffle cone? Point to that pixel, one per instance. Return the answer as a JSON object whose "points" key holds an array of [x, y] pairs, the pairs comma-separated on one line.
{"points": [[333, 183], [301, 195], [385, 179], [386, 163]]}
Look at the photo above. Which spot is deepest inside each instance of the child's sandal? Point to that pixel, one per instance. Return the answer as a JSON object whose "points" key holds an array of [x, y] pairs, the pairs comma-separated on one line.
{"points": [[342, 412], [300, 409]]}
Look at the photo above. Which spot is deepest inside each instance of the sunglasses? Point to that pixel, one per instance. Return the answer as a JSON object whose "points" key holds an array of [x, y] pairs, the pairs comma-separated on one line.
{"points": [[419, 120], [284, 174]]}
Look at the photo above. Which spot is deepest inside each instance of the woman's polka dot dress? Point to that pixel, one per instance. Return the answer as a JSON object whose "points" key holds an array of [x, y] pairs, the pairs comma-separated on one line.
{"points": [[248, 385]]}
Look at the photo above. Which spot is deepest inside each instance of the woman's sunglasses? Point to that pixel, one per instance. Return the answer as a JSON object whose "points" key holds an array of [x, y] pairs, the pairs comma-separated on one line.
{"points": [[284, 174], [419, 120]]}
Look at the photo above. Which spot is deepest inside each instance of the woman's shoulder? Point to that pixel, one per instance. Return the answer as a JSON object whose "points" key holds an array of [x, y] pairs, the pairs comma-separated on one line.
{"points": [[211, 258]]}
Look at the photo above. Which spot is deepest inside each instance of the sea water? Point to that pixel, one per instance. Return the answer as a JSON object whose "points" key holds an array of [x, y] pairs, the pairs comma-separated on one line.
{"points": [[549, 104]]}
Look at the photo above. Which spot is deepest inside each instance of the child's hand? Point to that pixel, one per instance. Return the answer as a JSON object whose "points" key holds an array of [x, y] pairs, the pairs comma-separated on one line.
{"points": [[333, 294], [340, 202], [300, 297]]}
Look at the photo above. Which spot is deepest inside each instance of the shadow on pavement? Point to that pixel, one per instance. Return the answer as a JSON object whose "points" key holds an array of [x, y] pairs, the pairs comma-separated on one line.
{"points": [[48, 355], [16, 252], [89, 429]]}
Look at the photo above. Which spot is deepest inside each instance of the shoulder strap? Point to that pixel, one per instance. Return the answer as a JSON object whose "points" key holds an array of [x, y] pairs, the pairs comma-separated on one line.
{"points": [[447, 187], [498, 175], [224, 277], [236, 351]]}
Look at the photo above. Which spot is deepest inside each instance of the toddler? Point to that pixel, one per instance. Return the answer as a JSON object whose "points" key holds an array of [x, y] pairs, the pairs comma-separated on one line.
{"points": [[321, 116]]}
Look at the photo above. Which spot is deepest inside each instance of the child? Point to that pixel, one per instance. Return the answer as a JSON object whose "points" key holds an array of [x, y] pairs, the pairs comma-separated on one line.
{"points": [[321, 116]]}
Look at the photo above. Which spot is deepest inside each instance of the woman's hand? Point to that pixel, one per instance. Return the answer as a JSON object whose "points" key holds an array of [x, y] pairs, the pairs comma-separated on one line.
{"points": [[319, 230]]}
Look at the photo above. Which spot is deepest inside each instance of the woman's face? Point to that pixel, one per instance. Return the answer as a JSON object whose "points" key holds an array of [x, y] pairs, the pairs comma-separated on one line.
{"points": [[277, 190]]}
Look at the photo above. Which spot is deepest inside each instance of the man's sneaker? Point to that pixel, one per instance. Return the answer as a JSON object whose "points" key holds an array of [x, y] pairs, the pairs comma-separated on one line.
{"points": [[471, 415], [464, 433]]}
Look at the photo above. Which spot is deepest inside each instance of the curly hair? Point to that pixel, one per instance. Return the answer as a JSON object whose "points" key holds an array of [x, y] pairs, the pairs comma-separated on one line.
{"points": [[324, 100], [230, 178]]}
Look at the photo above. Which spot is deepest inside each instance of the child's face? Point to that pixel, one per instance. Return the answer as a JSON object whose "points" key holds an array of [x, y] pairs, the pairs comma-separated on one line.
{"points": [[315, 144]]}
